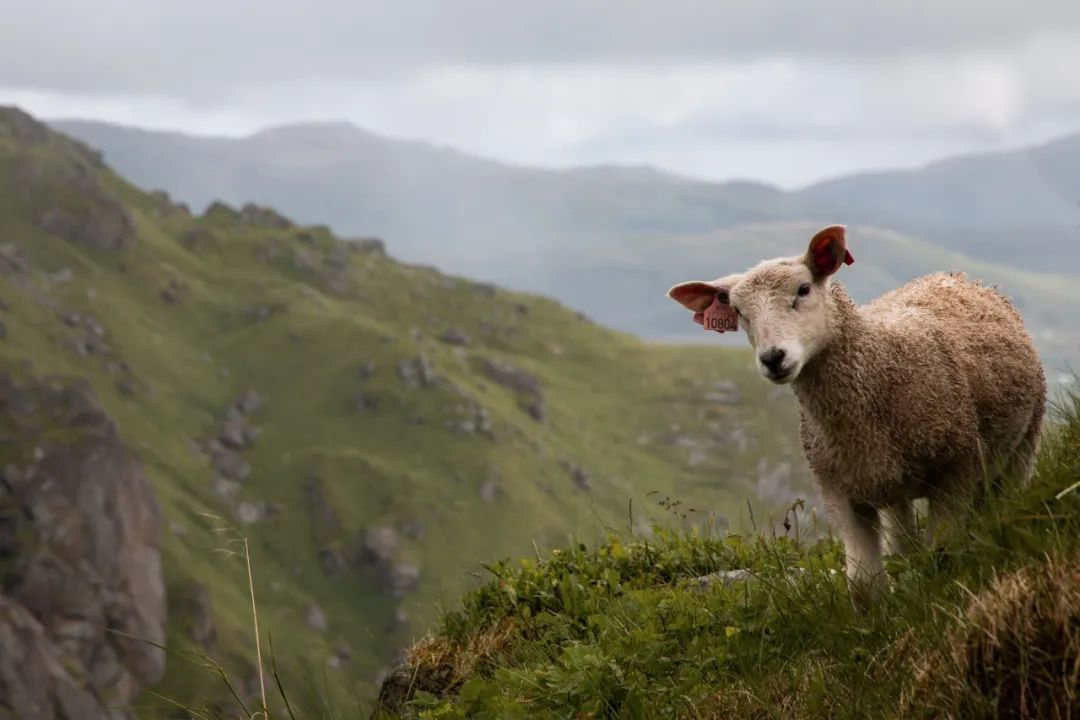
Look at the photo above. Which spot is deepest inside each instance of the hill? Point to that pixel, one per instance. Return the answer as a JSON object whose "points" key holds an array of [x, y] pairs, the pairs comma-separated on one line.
{"points": [[376, 430], [1011, 218], [739, 625]]}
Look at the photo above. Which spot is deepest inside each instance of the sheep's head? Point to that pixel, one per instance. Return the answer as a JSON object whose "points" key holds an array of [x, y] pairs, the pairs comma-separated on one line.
{"points": [[783, 304]]}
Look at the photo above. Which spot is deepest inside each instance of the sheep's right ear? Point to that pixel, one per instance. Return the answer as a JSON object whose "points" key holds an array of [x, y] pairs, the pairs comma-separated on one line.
{"points": [[828, 251], [697, 295]]}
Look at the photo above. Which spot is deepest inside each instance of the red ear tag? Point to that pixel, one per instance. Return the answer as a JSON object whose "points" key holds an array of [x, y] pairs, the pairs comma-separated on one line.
{"points": [[720, 317]]}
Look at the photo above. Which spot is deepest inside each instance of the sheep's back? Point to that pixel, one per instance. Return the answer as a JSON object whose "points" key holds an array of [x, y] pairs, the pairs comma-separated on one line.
{"points": [[982, 337]]}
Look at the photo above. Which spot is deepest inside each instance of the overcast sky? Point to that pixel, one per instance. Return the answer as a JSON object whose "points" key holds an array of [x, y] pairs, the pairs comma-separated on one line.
{"points": [[786, 91]]}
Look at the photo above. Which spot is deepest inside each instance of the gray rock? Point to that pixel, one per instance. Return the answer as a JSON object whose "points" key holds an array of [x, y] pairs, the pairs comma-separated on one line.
{"points": [[234, 430], [578, 475], [231, 464], [489, 490], [252, 511], [249, 402], [315, 617], [199, 612], [379, 545], [366, 370], [404, 578], [12, 259], [365, 402], [417, 372], [82, 521], [331, 562], [369, 245], [454, 337]]}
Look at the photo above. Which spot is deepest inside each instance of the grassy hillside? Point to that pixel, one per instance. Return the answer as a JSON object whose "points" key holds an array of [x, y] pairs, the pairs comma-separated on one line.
{"points": [[737, 626], [377, 430]]}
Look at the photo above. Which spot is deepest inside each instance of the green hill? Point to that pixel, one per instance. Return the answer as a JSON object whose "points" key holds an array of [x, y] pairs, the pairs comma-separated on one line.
{"points": [[377, 430]]}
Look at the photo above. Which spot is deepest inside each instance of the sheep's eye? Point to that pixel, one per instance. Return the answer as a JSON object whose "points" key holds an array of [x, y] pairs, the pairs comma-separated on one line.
{"points": [[804, 290]]}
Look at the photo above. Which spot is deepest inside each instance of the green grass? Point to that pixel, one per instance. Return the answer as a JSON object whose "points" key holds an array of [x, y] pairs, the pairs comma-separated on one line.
{"points": [[630, 413], [986, 626]]}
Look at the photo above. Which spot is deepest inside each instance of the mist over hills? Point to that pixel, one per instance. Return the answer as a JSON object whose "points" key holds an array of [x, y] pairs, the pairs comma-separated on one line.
{"points": [[610, 240]]}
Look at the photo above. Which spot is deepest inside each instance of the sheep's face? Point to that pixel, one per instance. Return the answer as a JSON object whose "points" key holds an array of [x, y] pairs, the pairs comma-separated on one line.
{"points": [[783, 304]]}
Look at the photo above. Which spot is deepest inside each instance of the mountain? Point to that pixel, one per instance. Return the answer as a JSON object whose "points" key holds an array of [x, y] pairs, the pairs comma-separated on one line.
{"points": [[609, 241], [373, 430]]}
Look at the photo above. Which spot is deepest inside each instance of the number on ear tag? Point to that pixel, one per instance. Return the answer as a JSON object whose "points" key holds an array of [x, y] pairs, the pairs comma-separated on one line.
{"points": [[720, 317]]}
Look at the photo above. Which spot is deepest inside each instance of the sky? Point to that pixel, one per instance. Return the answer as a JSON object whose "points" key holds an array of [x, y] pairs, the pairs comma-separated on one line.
{"points": [[783, 91]]}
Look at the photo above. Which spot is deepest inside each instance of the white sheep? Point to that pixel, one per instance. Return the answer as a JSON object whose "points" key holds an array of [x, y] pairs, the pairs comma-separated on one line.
{"points": [[928, 391]]}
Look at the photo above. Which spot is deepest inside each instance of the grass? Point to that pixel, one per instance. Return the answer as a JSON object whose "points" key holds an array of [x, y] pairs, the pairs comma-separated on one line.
{"points": [[988, 625]]}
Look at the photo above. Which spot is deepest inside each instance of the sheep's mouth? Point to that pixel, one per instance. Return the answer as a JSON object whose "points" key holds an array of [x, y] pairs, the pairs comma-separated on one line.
{"points": [[781, 376]]}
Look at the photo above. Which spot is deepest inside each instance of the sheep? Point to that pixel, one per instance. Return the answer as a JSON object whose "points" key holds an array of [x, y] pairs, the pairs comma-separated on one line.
{"points": [[929, 391]]}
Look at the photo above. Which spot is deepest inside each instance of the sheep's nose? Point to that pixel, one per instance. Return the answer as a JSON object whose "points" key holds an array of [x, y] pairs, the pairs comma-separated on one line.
{"points": [[773, 358]]}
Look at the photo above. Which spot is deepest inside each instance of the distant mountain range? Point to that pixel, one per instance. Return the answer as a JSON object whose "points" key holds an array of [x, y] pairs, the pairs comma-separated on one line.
{"points": [[609, 240]]}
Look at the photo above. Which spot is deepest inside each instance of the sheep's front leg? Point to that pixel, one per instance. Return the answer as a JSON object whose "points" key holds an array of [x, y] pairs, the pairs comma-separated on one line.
{"points": [[859, 529], [900, 530]]}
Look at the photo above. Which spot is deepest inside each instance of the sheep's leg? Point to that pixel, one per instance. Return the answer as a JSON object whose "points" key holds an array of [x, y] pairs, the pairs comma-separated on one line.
{"points": [[900, 530], [1021, 465], [858, 527]]}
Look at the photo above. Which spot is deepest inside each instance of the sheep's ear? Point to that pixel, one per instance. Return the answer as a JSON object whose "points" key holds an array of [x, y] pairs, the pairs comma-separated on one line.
{"points": [[697, 295], [828, 251]]}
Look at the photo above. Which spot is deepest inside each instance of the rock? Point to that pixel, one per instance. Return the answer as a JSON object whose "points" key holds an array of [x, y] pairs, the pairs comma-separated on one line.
{"points": [[174, 292], [722, 578], [534, 409], [366, 370], [365, 401], [324, 518], [199, 613], [315, 617], [96, 220], [252, 511], [578, 475], [454, 337], [511, 377], [234, 430], [379, 545], [231, 464], [489, 490], [404, 578], [413, 528], [82, 613], [417, 372], [331, 562], [226, 488], [338, 259], [305, 237], [302, 259], [197, 238], [369, 245], [249, 402], [62, 276], [126, 386], [263, 217], [12, 259]]}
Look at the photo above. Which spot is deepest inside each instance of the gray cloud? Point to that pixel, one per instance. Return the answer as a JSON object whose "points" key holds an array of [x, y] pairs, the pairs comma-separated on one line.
{"points": [[201, 50]]}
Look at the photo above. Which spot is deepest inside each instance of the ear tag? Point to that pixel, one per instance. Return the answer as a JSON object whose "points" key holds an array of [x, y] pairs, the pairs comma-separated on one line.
{"points": [[720, 317]]}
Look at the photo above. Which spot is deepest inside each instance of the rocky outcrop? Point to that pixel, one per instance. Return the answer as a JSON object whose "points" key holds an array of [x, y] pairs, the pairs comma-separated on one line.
{"points": [[82, 602]]}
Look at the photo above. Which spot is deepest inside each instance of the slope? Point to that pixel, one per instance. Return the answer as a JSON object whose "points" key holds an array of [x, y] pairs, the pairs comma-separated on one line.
{"points": [[377, 430]]}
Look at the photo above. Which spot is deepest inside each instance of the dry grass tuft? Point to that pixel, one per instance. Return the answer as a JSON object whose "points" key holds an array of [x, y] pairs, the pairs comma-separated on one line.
{"points": [[439, 665], [1015, 653]]}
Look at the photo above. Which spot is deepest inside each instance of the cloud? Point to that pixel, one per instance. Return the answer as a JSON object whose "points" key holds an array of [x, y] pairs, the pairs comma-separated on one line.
{"points": [[788, 92], [204, 50]]}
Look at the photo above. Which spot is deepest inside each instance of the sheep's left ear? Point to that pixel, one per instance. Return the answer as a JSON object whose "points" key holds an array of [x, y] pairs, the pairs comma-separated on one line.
{"points": [[828, 251]]}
